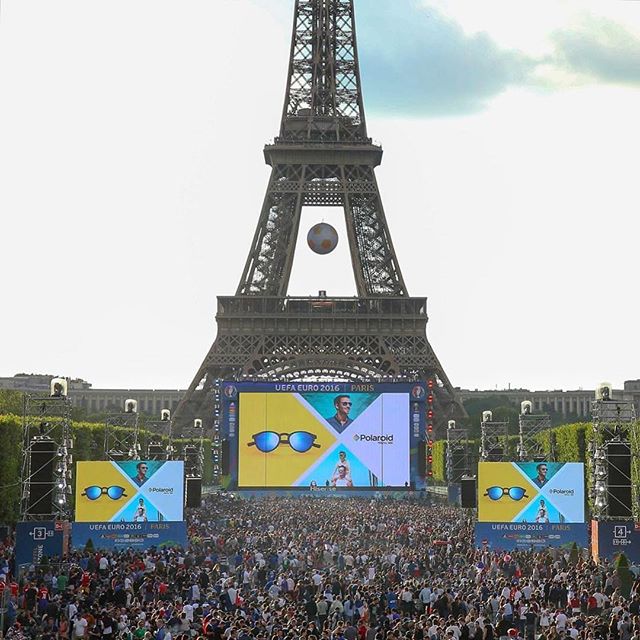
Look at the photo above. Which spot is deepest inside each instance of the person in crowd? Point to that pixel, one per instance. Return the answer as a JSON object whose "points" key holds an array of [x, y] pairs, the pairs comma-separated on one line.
{"points": [[327, 568]]}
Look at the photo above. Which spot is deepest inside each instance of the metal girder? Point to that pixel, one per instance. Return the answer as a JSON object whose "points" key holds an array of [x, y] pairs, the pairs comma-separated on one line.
{"points": [[121, 436], [457, 458], [45, 478], [323, 100], [530, 427], [335, 338], [614, 423], [350, 186], [493, 441], [322, 157]]}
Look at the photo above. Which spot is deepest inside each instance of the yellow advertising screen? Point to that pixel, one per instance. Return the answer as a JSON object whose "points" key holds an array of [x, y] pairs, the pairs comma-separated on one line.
{"points": [[298, 439], [532, 492], [130, 491]]}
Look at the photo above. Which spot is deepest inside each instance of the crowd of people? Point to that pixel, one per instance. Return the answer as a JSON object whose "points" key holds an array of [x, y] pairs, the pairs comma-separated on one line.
{"points": [[330, 568]]}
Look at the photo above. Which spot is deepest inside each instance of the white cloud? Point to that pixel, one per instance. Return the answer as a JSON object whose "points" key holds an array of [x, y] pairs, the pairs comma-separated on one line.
{"points": [[526, 26], [131, 161]]}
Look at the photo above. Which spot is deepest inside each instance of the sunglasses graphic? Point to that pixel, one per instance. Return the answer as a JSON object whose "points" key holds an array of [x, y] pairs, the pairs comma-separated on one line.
{"points": [[515, 493], [267, 441], [114, 492]]}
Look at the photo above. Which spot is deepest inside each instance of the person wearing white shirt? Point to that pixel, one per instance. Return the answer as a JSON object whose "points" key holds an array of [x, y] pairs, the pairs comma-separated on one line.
{"points": [[561, 621], [80, 627], [72, 611]]}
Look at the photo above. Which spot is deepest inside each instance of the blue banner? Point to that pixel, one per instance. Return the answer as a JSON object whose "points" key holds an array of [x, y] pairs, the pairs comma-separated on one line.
{"points": [[612, 538], [125, 535], [36, 540], [507, 536]]}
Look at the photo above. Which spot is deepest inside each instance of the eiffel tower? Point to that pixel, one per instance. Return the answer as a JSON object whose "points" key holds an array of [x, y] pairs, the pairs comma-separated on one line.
{"points": [[322, 157]]}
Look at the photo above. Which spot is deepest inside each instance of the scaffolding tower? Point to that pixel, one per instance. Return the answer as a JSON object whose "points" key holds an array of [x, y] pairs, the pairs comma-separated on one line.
{"points": [[530, 446], [121, 434], [612, 491], [47, 455], [457, 460], [493, 439]]}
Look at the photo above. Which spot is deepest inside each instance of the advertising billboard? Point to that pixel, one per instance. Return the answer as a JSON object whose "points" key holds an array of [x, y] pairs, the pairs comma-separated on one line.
{"points": [[324, 435], [128, 535], [129, 491], [531, 492], [507, 536]]}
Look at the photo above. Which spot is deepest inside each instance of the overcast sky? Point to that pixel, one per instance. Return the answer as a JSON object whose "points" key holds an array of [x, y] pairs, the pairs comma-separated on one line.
{"points": [[132, 176]]}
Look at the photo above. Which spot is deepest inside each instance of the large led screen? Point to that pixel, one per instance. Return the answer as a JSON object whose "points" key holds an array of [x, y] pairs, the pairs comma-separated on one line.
{"points": [[323, 439], [129, 491], [531, 492]]}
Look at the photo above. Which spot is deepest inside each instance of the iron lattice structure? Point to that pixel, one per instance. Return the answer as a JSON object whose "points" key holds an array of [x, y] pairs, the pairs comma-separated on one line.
{"points": [[47, 458], [159, 440], [321, 157], [493, 441], [530, 446], [614, 423], [457, 458], [121, 440]]}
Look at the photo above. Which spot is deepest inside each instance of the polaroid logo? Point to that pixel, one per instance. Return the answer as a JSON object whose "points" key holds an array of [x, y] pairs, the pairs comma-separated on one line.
{"points": [[164, 490], [562, 492], [373, 438]]}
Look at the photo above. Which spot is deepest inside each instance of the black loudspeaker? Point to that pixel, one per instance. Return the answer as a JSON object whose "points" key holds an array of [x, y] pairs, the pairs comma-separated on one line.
{"points": [[619, 479], [156, 451], [224, 454], [422, 458], [193, 492], [468, 492], [459, 466], [41, 481]]}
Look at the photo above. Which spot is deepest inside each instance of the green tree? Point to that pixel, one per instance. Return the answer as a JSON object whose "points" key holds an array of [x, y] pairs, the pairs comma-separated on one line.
{"points": [[625, 576], [11, 402], [574, 556]]}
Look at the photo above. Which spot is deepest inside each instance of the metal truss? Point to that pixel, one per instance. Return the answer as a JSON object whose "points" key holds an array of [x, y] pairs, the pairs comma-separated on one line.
{"points": [[614, 423], [493, 441], [159, 440], [323, 100], [457, 459], [315, 183], [47, 458], [192, 450], [347, 339], [322, 157], [531, 426], [121, 434]]}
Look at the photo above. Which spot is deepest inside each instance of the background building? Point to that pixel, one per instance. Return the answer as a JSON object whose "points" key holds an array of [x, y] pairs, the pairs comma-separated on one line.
{"points": [[568, 404]]}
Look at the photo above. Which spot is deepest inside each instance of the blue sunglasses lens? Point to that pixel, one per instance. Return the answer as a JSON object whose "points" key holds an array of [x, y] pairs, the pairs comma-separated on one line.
{"points": [[301, 441], [115, 493], [516, 493], [267, 441], [93, 493], [494, 493]]}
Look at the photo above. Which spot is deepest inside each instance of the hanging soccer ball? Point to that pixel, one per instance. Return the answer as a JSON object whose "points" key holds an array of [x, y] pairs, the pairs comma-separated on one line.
{"points": [[322, 238]]}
